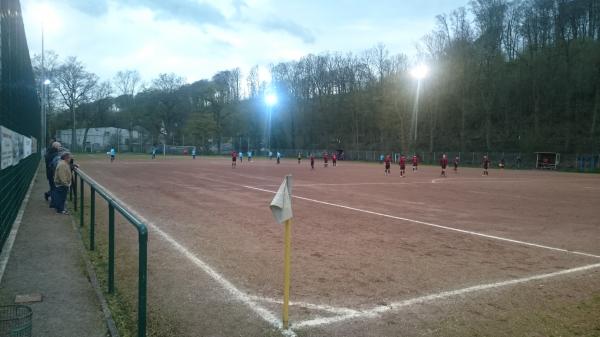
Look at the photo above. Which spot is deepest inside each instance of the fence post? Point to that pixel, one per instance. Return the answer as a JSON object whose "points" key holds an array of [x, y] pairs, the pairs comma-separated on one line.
{"points": [[81, 208], [142, 278], [73, 185], [111, 248], [92, 216]]}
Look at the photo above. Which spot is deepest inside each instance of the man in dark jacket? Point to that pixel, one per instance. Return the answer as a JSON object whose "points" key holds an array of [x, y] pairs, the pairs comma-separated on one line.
{"points": [[48, 157]]}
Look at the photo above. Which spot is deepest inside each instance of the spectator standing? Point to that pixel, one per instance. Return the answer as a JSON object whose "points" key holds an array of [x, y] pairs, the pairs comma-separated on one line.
{"points": [[62, 180]]}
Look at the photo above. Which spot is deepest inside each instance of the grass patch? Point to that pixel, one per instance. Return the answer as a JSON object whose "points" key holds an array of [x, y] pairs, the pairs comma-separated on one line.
{"points": [[123, 302]]}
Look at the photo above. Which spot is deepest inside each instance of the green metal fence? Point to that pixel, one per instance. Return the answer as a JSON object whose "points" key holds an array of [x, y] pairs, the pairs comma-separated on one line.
{"points": [[19, 111], [114, 204]]}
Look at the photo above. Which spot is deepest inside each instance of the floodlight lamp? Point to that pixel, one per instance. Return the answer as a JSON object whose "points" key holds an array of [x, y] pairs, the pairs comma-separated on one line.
{"points": [[271, 99], [420, 71], [47, 82]]}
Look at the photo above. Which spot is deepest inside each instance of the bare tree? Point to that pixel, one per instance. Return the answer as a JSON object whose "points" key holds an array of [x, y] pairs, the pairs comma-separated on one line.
{"points": [[94, 114], [75, 86], [168, 82], [127, 82]]}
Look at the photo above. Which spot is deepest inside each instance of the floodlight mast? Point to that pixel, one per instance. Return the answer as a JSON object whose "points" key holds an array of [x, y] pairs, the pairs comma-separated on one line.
{"points": [[270, 101], [419, 72]]}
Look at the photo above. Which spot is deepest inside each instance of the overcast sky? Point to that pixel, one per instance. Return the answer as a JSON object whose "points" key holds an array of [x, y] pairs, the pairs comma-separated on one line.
{"points": [[195, 38]]}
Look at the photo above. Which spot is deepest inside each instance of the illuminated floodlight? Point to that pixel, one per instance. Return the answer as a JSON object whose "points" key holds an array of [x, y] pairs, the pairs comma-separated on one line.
{"points": [[271, 99], [47, 82], [420, 71]]}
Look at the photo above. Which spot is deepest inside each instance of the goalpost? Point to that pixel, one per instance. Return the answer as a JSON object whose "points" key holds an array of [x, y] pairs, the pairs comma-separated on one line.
{"points": [[547, 160], [178, 150]]}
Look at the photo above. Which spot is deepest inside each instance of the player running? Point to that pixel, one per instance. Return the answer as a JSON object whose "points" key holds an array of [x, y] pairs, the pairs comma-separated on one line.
{"points": [[312, 161], [415, 163], [233, 159], [486, 166], [113, 153], [456, 160], [194, 153], [334, 160], [278, 157], [325, 159], [387, 161], [444, 164], [402, 163], [249, 156], [299, 157]]}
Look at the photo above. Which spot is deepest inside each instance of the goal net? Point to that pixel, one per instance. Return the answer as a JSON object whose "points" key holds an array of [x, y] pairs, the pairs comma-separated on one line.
{"points": [[178, 150]]}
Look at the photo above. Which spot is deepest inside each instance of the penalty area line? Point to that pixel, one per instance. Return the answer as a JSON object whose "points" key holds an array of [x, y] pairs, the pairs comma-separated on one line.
{"points": [[493, 237], [378, 310]]}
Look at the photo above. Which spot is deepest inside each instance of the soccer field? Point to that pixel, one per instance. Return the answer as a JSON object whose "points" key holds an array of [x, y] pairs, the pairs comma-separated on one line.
{"points": [[372, 255]]}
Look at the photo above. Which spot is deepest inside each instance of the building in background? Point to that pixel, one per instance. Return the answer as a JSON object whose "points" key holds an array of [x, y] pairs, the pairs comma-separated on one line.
{"points": [[102, 139]]}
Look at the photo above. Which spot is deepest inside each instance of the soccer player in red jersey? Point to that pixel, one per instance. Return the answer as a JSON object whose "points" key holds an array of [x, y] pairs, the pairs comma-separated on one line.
{"points": [[402, 163], [486, 166], [444, 164], [233, 158], [456, 160], [312, 161], [334, 159], [325, 159], [415, 162], [387, 160]]}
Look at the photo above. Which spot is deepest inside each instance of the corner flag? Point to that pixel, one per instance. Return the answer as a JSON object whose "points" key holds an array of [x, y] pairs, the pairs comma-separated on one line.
{"points": [[281, 205]]}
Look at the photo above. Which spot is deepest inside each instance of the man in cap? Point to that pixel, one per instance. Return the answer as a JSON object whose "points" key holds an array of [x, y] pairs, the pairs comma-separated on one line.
{"points": [[62, 180]]}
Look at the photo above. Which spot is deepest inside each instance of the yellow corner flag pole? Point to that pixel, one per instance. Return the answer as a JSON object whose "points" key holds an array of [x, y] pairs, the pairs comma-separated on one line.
{"points": [[281, 206], [286, 271]]}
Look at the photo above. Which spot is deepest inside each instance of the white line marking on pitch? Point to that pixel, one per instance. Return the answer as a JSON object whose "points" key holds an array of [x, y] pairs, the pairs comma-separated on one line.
{"points": [[376, 311], [436, 226], [450, 180], [321, 307], [482, 180], [263, 312]]}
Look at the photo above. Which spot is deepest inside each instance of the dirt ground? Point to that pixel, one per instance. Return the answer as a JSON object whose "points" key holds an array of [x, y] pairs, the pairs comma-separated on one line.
{"points": [[365, 246]]}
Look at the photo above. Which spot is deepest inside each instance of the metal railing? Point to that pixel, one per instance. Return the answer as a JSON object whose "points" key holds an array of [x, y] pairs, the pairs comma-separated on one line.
{"points": [[114, 204]]}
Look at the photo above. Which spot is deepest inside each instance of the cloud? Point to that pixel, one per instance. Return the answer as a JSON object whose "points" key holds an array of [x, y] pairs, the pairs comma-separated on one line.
{"points": [[189, 11], [90, 7], [184, 10], [239, 5], [289, 27]]}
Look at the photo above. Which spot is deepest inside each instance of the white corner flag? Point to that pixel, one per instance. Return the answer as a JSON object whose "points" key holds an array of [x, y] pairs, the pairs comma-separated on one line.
{"points": [[281, 205]]}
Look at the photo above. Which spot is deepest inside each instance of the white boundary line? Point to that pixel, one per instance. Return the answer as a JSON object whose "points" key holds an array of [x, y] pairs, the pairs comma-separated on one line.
{"points": [[239, 295], [376, 311], [263, 312], [10, 240], [320, 307], [445, 180], [435, 225]]}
